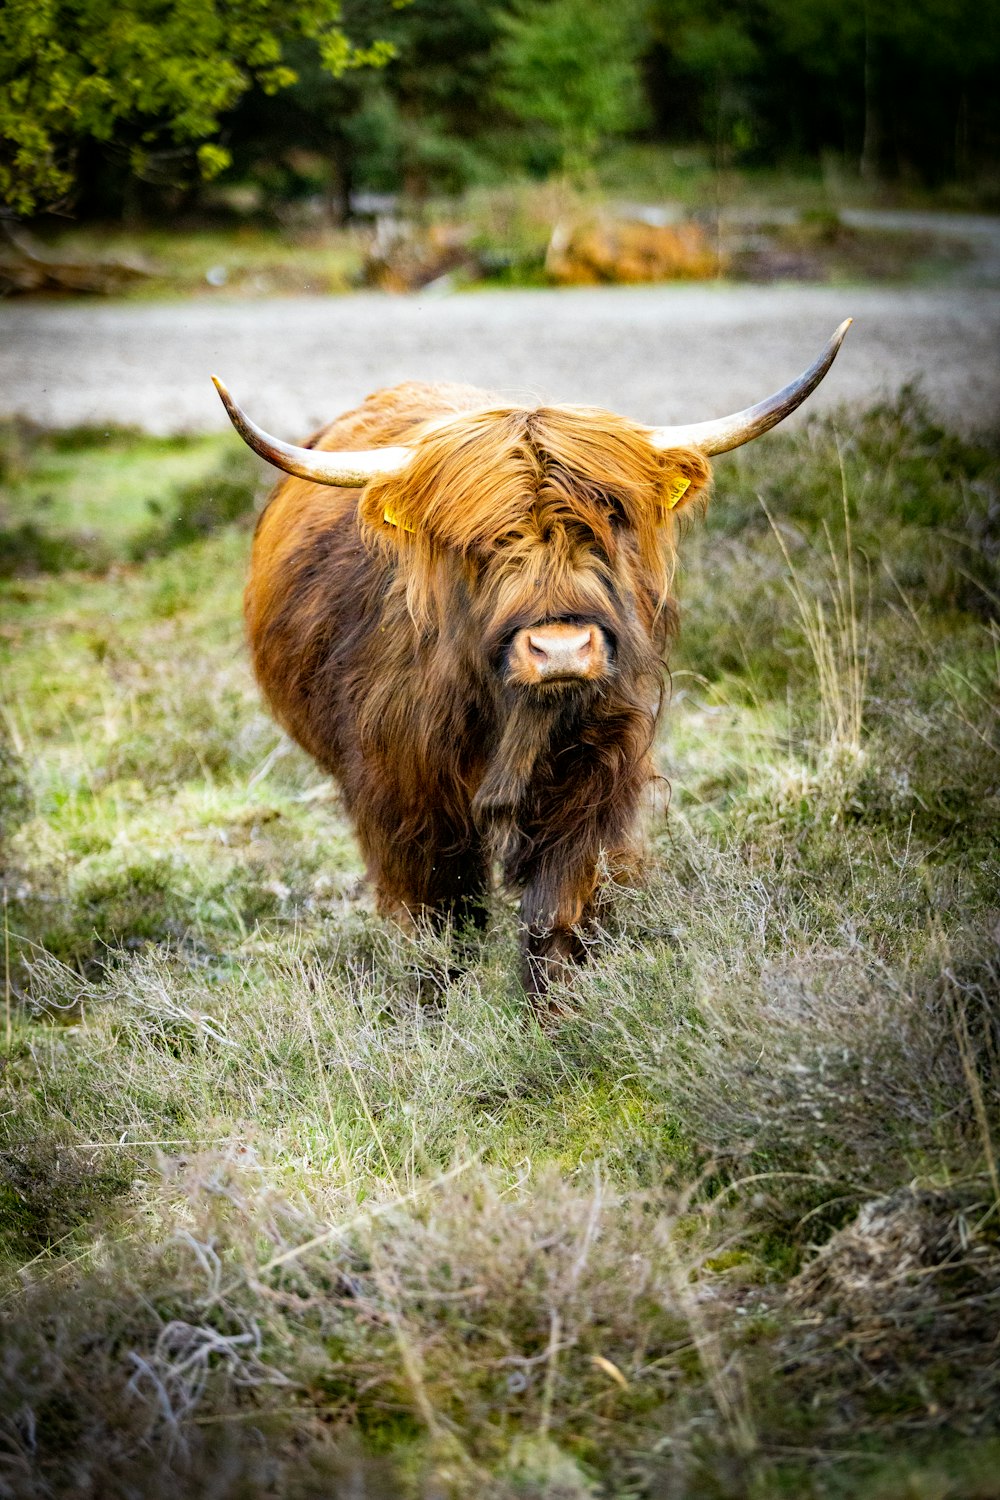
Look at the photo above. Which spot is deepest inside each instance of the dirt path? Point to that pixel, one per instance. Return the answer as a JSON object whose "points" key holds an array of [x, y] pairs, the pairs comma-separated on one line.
{"points": [[656, 353]]}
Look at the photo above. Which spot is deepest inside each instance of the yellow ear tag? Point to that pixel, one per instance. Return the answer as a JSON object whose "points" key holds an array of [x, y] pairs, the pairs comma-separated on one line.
{"points": [[391, 519], [677, 491]]}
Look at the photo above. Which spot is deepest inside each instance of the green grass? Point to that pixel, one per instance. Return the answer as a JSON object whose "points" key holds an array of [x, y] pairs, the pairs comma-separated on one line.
{"points": [[88, 498], [292, 1202]]}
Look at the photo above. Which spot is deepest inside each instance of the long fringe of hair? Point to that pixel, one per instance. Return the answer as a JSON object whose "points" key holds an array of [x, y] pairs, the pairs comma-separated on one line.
{"points": [[503, 480]]}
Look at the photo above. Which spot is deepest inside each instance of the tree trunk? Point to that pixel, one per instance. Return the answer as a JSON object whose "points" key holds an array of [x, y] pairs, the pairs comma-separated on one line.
{"points": [[871, 146]]}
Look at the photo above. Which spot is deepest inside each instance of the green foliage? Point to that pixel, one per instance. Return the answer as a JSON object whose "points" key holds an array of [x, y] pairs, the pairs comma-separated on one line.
{"points": [[419, 124], [154, 78], [719, 51], [779, 78], [570, 69], [440, 82], [94, 95]]}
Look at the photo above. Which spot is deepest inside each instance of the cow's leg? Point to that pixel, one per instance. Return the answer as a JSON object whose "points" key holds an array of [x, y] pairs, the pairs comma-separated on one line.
{"points": [[438, 877], [416, 886], [555, 918], [560, 912], [560, 902], [560, 905]]}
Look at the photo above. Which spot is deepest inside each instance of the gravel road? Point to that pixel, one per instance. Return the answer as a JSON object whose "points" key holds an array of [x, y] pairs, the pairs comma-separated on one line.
{"points": [[659, 354]]}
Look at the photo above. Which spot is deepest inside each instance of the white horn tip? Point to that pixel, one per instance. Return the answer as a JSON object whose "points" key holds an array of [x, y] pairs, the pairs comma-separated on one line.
{"points": [[237, 417], [222, 388]]}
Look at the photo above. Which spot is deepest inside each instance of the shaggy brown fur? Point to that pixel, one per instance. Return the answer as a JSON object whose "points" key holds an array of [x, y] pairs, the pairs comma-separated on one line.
{"points": [[382, 647]]}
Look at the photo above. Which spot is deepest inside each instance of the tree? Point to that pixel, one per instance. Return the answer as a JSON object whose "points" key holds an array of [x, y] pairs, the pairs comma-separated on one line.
{"points": [[416, 124], [154, 75], [571, 67], [899, 89], [714, 44], [918, 80]]}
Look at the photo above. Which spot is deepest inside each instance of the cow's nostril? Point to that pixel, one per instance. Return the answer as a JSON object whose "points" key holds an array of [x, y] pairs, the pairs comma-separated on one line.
{"points": [[550, 653]]}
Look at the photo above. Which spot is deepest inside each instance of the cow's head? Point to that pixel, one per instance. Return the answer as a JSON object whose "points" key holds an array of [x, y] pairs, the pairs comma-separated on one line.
{"points": [[547, 530], [550, 530]]}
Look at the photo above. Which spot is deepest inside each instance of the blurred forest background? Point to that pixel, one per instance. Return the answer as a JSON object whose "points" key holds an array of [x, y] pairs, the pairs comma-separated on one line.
{"points": [[309, 117]]}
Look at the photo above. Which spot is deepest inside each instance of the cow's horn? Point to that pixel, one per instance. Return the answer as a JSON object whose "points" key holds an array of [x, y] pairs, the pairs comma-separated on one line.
{"points": [[732, 432], [349, 469]]}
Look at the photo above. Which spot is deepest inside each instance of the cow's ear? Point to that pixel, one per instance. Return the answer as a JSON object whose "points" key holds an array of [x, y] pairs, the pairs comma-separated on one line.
{"points": [[686, 477], [383, 515], [392, 519], [677, 492]]}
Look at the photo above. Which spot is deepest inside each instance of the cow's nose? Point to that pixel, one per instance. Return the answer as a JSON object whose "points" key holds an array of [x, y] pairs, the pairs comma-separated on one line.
{"points": [[546, 652], [558, 654]]}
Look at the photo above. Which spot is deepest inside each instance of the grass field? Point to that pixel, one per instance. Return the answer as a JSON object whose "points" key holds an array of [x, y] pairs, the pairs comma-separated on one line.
{"points": [[294, 1204]]}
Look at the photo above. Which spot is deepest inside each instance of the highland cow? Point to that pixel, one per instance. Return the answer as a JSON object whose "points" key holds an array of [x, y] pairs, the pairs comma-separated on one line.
{"points": [[474, 645]]}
